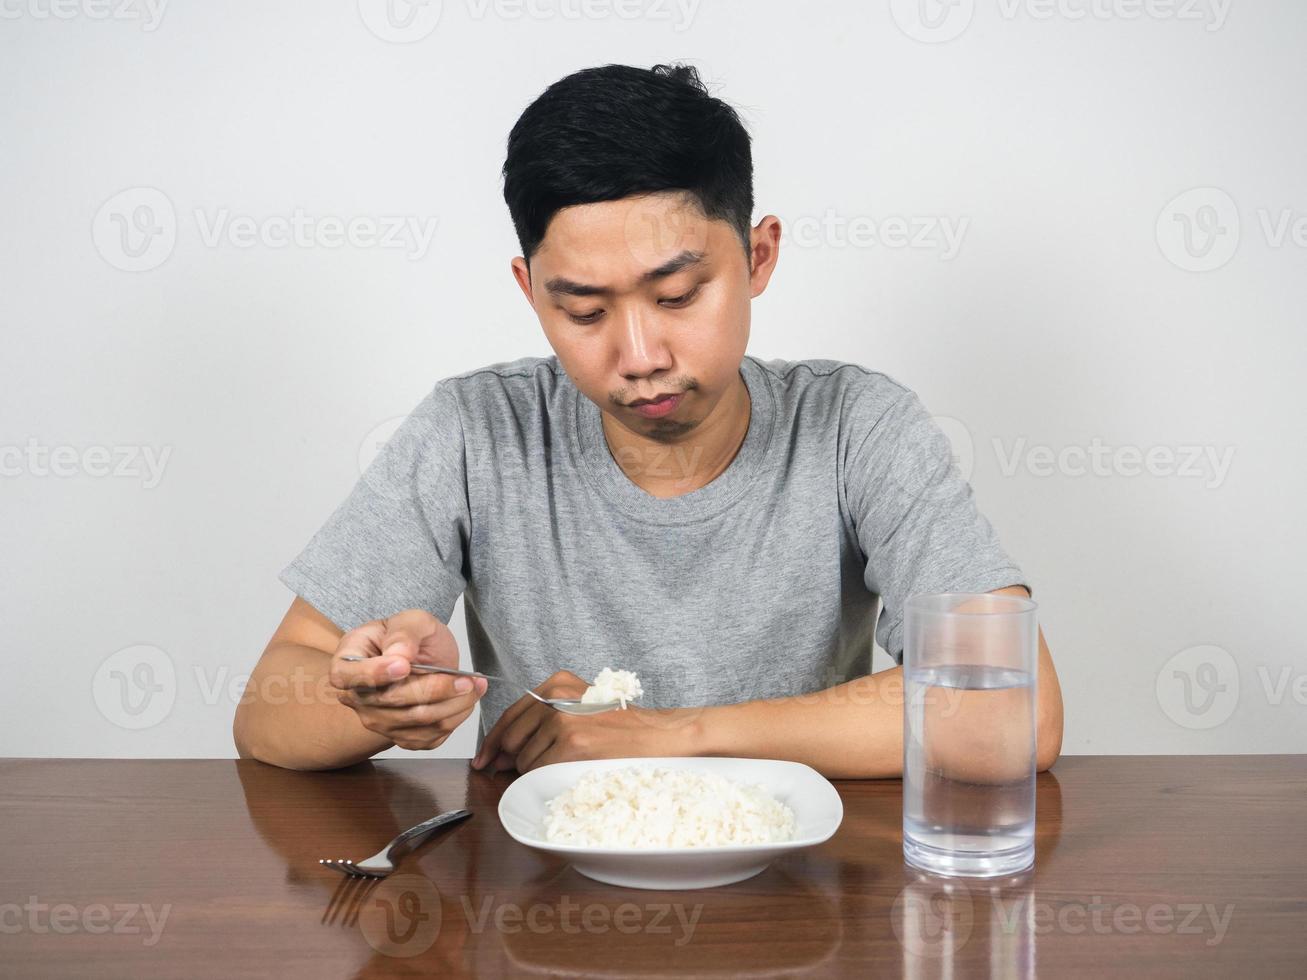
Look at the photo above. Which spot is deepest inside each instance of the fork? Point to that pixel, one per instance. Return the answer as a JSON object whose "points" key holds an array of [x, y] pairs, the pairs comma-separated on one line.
{"points": [[348, 900], [569, 706], [382, 863]]}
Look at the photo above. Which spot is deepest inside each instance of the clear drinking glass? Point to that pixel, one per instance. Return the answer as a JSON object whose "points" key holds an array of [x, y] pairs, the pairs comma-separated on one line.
{"points": [[969, 667]]}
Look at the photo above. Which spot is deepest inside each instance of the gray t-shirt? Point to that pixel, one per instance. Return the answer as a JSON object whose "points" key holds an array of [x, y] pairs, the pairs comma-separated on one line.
{"points": [[500, 486]]}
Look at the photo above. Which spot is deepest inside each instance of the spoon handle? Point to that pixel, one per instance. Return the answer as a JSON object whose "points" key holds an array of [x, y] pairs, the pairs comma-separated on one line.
{"points": [[433, 669]]}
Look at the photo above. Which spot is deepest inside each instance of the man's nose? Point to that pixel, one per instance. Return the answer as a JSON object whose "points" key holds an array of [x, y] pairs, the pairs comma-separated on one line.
{"points": [[642, 348]]}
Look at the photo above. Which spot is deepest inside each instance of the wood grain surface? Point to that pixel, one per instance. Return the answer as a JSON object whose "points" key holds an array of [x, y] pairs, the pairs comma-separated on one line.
{"points": [[1146, 865]]}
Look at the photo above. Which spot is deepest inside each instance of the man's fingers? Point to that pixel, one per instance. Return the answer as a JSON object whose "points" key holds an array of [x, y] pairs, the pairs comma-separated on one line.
{"points": [[539, 742], [419, 688], [523, 727], [364, 641], [447, 714], [490, 745], [373, 670], [389, 646], [418, 635], [416, 624], [562, 684], [432, 728], [403, 636]]}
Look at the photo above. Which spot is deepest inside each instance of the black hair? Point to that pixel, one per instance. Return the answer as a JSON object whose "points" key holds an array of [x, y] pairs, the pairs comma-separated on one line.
{"points": [[606, 133]]}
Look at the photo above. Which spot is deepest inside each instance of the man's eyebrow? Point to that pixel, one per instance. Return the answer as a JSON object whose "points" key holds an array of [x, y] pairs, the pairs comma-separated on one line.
{"points": [[559, 286]]}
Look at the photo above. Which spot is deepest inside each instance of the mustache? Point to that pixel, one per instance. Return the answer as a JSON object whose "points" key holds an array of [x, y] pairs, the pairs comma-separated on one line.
{"points": [[624, 396]]}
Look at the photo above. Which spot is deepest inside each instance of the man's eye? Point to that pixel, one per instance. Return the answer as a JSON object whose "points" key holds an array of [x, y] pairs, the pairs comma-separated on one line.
{"points": [[587, 318], [680, 300]]}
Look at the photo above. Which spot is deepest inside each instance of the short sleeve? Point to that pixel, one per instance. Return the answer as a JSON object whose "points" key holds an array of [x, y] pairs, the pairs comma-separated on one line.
{"points": [[399, 540], [915, 516]]}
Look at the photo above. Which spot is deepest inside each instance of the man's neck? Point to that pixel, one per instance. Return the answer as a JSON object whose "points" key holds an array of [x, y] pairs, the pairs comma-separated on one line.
{"points": [[666, 468]]}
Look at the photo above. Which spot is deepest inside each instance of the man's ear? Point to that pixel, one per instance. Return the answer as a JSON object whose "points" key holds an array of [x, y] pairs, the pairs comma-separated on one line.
{"points": [[764, 250], [522, 273]]}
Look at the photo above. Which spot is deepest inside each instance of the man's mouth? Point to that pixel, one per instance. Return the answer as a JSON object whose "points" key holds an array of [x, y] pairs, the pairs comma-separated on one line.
{"points": [[652, 408]]}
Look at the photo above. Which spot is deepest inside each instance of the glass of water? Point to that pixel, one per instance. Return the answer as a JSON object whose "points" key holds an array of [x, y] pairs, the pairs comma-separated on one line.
{"points": [[969, 671]]}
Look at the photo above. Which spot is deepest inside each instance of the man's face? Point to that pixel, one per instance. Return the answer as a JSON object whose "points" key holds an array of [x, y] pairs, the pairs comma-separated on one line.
{"points": [[645, 297]]}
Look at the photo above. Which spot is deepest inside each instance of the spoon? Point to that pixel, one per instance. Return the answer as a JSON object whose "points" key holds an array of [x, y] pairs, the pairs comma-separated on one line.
{"points": [[570, 706]]}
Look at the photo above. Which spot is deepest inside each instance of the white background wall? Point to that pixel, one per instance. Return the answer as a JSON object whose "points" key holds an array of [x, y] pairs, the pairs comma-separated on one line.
{"points": [[1071, 145]]}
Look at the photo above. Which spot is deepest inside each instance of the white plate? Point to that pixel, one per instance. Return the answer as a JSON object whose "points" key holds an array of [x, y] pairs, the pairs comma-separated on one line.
{"points": [[817, 808]]}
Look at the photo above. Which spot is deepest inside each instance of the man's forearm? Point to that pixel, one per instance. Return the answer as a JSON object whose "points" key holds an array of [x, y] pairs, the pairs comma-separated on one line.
{"points": [[851, 731], [855, 730], [290, 715]]}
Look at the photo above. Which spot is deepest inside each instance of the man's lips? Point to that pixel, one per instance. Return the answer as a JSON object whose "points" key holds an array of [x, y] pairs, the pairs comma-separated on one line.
{"points": [[650, 401], [657, 407]]}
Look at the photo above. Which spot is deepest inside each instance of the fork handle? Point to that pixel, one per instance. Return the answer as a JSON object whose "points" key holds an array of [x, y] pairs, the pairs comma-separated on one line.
{"points": [[413, 834]]}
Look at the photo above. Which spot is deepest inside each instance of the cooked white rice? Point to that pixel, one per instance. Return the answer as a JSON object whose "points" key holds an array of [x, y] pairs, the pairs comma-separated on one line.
{"points": [[613, 685], [654, 806]]}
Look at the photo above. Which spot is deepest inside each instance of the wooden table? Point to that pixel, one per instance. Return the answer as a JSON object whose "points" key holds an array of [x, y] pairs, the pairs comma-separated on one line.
{"points": [[1165, 866]]}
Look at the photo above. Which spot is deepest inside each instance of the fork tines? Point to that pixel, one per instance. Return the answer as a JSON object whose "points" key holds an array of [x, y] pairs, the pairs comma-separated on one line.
{"points": [[348, 900]]}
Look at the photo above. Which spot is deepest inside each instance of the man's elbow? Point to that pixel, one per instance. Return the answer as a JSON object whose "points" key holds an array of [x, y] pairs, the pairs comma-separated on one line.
{"points": [[240, 733], [1048, 743], [250, 746], [1045, 758], [1048, 712]]}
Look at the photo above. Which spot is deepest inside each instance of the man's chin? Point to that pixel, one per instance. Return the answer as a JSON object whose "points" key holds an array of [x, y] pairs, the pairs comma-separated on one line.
{"points": [[667, 430], [663, 430]]}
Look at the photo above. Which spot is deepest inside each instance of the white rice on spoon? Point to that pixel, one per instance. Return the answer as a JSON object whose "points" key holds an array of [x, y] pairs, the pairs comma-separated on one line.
{"points": [[613, 685]]}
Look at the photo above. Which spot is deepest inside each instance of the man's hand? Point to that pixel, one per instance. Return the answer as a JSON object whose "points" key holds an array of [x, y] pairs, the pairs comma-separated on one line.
{"points": [[415, 711], [530, 734], [522, 719]]}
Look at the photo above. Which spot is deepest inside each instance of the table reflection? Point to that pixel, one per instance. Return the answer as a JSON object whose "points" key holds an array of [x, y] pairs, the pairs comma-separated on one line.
{"points": [[472, 900], [960, 926]]}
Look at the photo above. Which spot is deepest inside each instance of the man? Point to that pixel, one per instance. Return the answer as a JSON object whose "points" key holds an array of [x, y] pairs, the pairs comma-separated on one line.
{"points": [[651, 498]]}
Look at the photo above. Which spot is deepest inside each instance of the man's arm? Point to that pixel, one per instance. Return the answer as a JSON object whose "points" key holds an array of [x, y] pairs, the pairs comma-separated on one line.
{"points": [[290, 714], [306, 707], [853, 730], [850, 731]]}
